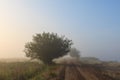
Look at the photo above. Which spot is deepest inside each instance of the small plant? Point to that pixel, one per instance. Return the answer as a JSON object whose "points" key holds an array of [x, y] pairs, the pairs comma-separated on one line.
{"points": [[38, 77], [52, 74]]}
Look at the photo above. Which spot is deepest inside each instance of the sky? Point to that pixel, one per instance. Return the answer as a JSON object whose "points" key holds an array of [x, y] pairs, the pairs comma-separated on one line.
{"points": [[92, 25]]}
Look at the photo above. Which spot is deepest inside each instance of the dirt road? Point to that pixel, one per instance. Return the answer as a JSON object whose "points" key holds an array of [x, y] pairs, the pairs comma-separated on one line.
{"points": [[74, 71]]}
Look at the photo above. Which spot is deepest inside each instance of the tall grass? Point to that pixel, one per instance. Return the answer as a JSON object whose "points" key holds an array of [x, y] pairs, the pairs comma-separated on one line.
{"points": [[19, 70]]}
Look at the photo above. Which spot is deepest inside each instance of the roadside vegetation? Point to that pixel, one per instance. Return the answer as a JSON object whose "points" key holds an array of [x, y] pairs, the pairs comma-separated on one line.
{"points": [[47, 47], [44, 47], [18, 70], [25, 71]]}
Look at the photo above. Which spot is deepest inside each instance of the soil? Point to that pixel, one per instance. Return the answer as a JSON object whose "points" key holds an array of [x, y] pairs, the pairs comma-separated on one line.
{"points": [[76, 71]]}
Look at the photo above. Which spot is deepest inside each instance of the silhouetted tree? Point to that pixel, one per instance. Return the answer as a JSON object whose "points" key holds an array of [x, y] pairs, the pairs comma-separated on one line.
{"points": [[47, 46]]}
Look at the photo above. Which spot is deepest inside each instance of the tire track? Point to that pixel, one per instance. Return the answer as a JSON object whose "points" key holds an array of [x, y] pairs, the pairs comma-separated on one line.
{"points": [[87, 74], [72, 73], [75, 71]]}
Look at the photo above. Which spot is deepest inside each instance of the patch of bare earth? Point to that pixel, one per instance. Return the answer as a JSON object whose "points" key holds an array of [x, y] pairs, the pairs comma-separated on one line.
{"points": [[74, 71]]}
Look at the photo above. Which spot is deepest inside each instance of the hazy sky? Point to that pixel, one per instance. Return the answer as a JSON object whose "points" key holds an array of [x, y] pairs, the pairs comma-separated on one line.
{"points": [[93, 25]]}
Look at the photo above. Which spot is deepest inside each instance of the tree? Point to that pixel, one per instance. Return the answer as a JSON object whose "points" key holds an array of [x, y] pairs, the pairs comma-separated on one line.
{"points": [[47, 46], [74, 53]]}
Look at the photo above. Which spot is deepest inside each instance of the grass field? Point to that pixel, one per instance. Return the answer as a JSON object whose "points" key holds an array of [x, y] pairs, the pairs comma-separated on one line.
{"points": [[35, 71], [25, 71], [22, 71]]}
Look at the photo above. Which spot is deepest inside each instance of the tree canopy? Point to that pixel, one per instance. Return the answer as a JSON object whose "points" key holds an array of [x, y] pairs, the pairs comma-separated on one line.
{"points": [[47, 46]]}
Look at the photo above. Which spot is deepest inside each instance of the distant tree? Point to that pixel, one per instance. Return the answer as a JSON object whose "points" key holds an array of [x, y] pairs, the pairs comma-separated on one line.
{"points": [[74, 53], [47, 46]]}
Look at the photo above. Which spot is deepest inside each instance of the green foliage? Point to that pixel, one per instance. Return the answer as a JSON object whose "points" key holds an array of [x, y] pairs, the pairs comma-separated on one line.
{"points": [[46, 73], [38, 77], [47, 46], [19, 70], [26, 71], [52, 74]]}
